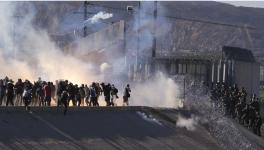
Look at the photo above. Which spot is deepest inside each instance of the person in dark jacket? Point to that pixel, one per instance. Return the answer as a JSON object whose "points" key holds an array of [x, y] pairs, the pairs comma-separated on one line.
{"points": [[71, 91], [93, 96], [255, 104], [126, 95], [9, 93], [47, 94], [114, 96], [64, 100], [77, 94], [87, 95], [27, 97], [19, 88], [257, 124], [40, 93], [106, 91], [82, 93], [2, 91], [239, 108]]}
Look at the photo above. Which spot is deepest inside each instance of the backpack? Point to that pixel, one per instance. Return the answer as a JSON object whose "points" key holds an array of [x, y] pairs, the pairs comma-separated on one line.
{"points": [[93, 92], [115, 90]]}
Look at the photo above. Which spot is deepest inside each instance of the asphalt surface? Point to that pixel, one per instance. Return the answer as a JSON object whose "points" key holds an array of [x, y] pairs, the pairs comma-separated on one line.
{"points": [[99, 128]]}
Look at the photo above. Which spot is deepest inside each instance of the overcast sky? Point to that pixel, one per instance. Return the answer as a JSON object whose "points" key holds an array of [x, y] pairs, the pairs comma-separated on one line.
{"points": [[247, 3]]}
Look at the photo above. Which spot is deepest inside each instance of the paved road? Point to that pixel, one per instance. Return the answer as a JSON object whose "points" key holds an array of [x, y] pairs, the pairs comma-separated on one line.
{"points": [[97, 128]]}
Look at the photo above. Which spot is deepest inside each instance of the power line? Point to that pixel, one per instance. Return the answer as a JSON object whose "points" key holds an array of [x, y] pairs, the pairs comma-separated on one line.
{"points": [[159, 16], [176, 18]]}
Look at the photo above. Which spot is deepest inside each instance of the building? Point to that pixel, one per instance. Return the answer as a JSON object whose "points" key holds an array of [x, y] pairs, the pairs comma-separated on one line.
{"points": [[232, 66], [201, 51], [207, 65]]}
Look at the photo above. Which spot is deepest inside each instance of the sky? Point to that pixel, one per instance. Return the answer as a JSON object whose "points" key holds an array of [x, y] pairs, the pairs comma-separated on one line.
{"points": [[259, 4]]}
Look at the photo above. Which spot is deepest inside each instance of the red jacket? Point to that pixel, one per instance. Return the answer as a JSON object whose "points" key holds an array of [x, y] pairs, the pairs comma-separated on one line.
{"points": [[47, 90]]}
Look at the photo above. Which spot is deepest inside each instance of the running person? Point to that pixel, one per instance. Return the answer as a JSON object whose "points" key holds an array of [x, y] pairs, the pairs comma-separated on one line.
{"points": [[64, 101], [27, 97], [126, 95]]}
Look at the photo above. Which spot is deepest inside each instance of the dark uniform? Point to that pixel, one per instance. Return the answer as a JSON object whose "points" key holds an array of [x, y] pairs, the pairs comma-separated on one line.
{"points": [[239, 108], [251, 116], [257, 124], [255, 104]]}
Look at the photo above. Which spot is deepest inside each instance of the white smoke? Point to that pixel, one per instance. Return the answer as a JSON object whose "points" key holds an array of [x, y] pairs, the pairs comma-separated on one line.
{"points": [[104, 67], [188, 123], [29, 53], [160, 91], [149, 118], [99, 16]]}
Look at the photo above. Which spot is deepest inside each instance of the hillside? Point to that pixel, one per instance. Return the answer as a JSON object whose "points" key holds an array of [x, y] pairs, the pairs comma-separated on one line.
{"points": [[192, 22]]}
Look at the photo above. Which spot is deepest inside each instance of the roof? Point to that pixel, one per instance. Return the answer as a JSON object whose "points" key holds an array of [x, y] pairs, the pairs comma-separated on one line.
{"points": [[237, 53], [192, 55]]}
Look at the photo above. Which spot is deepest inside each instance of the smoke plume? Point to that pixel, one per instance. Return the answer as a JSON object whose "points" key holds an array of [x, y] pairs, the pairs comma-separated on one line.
{"points": [[160, 91], [188, 123], [29, 53], [99, 16]]}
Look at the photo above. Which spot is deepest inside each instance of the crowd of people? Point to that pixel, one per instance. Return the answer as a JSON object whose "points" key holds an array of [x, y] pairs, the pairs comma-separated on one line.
{"points": [[237, 104], [233, 101], [63, 92]]}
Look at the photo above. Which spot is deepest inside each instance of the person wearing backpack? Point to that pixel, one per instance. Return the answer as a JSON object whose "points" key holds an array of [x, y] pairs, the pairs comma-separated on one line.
{"points": [[10, 93], [64, 100], [93, 96], [114, 95], [27, 97]]}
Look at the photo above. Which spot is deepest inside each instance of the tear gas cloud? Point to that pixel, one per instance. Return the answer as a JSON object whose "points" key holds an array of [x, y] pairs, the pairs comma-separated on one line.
{"points": [[99, 16], [28, 52], [188, 123], [104, 67], [149, 118], [160, 91]]}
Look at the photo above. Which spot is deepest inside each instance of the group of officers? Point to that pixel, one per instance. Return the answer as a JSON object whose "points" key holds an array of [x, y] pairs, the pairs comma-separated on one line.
{"points": [[41, 93], [234, 102]]}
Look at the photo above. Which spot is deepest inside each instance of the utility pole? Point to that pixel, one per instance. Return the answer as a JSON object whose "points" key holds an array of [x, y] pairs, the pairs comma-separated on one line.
{"points": [[154, 39], [138, 40], [138, 27], [155, 13], [85, 18]]}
